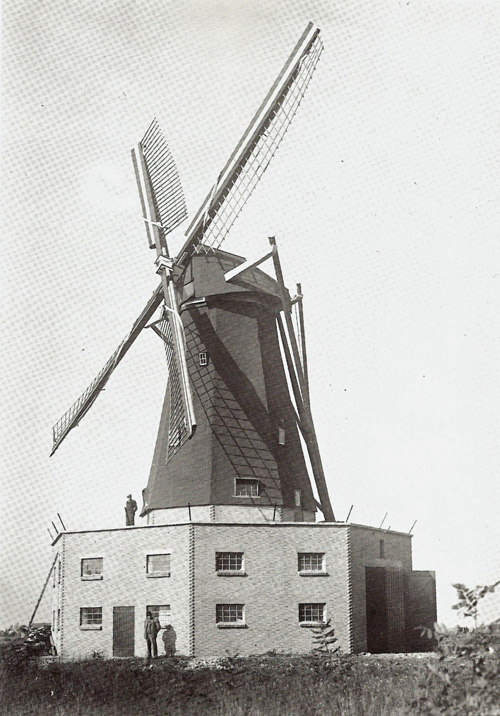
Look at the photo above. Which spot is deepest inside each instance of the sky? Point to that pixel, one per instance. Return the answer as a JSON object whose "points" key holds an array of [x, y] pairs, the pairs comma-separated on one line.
{"points": [[383, 197]]}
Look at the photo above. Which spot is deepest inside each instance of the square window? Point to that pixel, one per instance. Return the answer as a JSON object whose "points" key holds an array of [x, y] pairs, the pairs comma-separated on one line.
{"points": [[161, 612], [230, 614], [158, 565], [91, 617], [92, 568], [311, 561], [311, 613], [246, 487], [229, 561]]}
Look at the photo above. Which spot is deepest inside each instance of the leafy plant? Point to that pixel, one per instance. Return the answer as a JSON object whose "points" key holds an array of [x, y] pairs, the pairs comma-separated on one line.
{"points": [[324, 638], [465, 678]]}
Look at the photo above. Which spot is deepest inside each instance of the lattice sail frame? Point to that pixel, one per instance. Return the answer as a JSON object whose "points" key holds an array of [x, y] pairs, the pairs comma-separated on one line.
{"points": [[255, 150], [177, 427], [162, 198], [80, 407]]}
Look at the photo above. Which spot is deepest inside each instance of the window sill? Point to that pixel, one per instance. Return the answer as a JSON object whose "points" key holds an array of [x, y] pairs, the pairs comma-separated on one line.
{"points": [[313, 573], [90, 627], [157, 574], [231, 573], [91, 577], [231, 625], [308, 625], [248, 497]]}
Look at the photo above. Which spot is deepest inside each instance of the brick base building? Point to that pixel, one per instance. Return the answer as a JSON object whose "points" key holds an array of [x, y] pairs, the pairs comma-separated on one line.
{"points": [[241, 588]]}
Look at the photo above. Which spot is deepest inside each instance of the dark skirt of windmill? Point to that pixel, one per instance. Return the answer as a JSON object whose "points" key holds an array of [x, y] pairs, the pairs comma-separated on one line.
{"points": [[246, 448]]}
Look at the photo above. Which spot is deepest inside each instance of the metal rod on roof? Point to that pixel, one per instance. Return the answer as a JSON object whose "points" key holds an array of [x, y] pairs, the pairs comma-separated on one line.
{"points": [[411, 528], [383, 520], [53, 525], [50, 533], [349, 514], [60, 520]]}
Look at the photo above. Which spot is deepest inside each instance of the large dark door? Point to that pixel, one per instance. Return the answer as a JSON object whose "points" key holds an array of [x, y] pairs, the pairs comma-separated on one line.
{"points": [[123, 631], [377, 632]]}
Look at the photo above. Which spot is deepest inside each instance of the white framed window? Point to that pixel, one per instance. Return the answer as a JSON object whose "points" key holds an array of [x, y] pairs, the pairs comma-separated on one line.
{"points": [[91, 568], [229, 563], [90, 617], [246, 487], [281, 436], [298, 498], [230, 615], [161, 612], [158, 565], [203, 358], [311, 562], [312, 613]]}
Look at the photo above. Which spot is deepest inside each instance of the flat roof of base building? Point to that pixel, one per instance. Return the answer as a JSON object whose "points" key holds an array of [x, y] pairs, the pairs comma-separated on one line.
{"points": [[273, 525]]}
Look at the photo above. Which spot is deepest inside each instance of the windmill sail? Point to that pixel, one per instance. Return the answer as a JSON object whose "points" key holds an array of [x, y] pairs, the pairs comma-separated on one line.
{"points": [[73, 416], [178, 430], [160, 190], [255, 150]]}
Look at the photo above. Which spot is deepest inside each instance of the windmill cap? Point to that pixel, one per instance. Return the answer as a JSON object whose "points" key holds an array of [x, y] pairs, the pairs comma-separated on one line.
{"points": [[129, 495]]}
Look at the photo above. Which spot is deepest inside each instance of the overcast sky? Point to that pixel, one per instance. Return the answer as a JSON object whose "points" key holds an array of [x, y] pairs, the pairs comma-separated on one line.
{"points": [[384, 198]]}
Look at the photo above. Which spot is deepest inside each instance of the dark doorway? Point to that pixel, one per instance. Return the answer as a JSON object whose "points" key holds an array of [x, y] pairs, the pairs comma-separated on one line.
{"points": [[123, 631], [377, 632]]}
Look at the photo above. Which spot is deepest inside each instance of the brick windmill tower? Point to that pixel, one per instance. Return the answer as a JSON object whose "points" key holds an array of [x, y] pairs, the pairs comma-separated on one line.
{"points": [[229, 494]]}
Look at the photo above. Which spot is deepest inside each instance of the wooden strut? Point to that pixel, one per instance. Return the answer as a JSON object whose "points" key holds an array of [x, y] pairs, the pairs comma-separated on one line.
{"points": [[302, 334], [42, 593], [299, 388]]}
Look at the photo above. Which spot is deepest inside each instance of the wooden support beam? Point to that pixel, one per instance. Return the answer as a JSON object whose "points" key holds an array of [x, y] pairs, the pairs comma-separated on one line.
{"points": [[43, 590], [302, 333], [301, 399], [246, 266]]}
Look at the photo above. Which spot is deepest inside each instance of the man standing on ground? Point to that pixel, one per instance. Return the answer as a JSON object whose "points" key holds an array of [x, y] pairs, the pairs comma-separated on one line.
{"points": [[151, 629]]}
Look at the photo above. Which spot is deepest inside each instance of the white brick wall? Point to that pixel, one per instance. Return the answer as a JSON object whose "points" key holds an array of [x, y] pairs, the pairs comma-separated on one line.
{"points": [[271, 589]]}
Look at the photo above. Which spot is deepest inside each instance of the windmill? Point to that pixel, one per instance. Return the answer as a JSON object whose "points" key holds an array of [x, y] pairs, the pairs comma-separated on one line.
{"points": [[229, 431]]}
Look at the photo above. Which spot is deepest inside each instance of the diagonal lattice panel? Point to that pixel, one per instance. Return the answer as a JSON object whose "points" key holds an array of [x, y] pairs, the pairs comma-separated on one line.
{"points": [[177, 429], [167, 193], [82, 405], [224, 208]]}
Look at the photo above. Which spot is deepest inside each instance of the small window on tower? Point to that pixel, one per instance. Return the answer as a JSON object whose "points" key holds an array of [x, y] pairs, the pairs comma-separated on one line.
{"points": [[298, 498], [281, 436], [203, 358], [246, 487], [382, 549], [229, 563]]}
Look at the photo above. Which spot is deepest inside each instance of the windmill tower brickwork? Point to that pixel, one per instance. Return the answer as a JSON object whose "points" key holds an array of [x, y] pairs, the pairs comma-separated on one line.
{"points": [[229, 493]]}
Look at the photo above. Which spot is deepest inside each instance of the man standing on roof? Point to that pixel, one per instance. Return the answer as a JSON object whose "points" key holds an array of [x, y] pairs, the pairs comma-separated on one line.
{"points": [[130, 510], [151, 629]]}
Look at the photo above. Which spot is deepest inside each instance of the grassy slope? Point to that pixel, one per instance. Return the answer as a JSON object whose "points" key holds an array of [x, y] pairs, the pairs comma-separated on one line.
{"points": [[255, 686]]}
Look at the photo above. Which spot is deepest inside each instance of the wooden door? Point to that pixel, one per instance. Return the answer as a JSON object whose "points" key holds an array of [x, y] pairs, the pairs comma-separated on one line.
{"points": [[377, 632], [123, 631]]}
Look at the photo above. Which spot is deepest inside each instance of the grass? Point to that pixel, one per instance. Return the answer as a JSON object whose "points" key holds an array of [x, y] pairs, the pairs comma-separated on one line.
{"points": [[273, 685]]}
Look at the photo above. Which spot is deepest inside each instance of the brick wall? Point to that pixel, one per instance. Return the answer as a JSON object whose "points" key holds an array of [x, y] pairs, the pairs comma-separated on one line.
{"points": [[271, 588], [124, 583]]}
